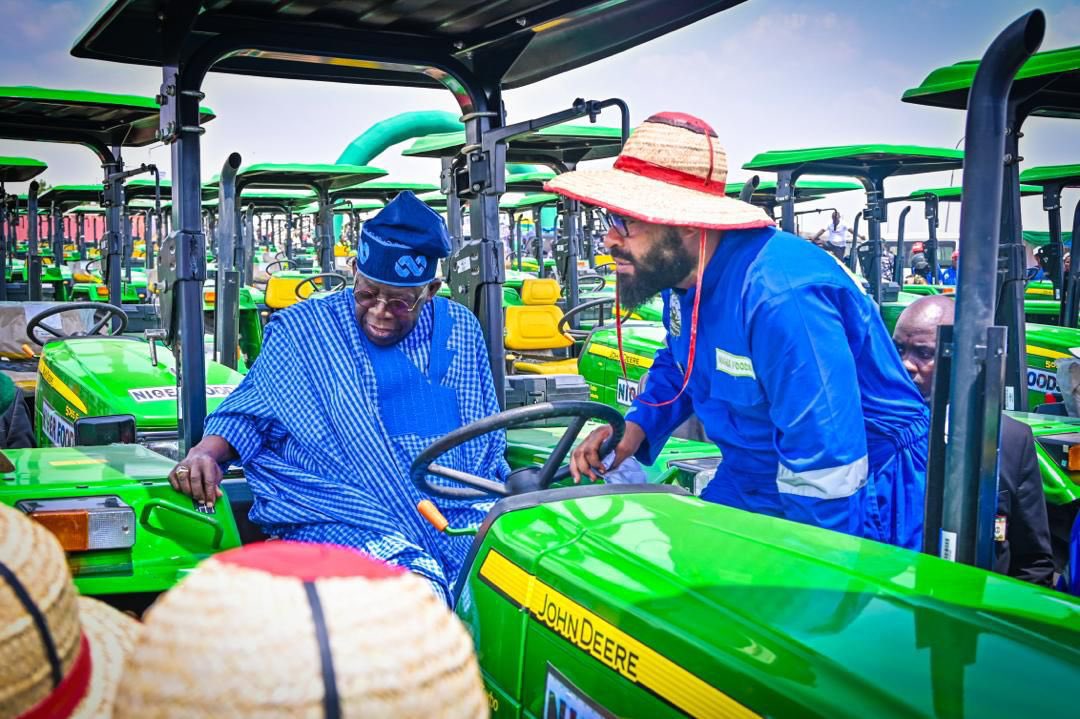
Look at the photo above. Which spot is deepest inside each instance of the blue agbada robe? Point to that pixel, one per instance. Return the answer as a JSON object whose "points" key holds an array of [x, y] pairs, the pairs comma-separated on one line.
{"points": [[327, 424]]}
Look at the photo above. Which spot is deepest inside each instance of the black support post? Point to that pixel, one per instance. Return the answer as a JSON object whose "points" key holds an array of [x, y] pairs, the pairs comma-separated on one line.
{"points": [[33, 259]]}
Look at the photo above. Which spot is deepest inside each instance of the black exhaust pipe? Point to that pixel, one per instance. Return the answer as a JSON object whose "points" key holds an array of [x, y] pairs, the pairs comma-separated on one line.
{"points": [[970, 490]]}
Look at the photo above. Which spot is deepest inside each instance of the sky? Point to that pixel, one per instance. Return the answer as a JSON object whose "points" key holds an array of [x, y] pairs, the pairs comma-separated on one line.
{"points": [[768, 74]]}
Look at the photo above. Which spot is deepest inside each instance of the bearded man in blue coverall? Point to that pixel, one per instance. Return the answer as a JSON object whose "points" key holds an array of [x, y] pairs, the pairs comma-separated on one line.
{"points": [[783, 359], [348, 389]]}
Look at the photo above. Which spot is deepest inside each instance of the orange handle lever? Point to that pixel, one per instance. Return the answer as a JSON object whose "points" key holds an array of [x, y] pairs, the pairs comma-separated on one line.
{"points": [[431, 513]]}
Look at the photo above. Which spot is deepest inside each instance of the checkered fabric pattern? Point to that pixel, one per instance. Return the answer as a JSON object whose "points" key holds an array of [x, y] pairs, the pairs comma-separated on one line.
{"points": [[321, 465]]}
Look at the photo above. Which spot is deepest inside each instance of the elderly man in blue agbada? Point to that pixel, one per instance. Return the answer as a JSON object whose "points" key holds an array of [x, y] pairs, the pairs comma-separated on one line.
{"points": [[349, 388]]}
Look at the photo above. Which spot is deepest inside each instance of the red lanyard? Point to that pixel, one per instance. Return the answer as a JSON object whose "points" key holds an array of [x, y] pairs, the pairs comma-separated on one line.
{"points": [[693, 327]]}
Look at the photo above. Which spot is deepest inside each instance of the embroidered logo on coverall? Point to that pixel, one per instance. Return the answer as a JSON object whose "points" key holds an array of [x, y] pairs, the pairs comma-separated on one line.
{"points": [[674, 317], [734, 365]]}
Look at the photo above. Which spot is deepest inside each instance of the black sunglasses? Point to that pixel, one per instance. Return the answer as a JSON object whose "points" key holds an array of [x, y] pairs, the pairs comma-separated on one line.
{"points": [[620, 223]]}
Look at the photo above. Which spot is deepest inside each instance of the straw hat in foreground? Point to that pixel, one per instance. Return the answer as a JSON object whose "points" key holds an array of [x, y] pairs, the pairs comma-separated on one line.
{"points": [[285, 629], [60, 654], [671, 171]]}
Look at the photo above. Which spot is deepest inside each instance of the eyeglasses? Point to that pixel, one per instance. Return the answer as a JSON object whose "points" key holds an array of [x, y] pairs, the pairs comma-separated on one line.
{"points": [[395, 306], [620, 223]]}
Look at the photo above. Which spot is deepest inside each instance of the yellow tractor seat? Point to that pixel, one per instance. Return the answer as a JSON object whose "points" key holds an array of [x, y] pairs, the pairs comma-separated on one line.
{"points": [[535, 291], [565, 366], [343, 251], [281, 291]]}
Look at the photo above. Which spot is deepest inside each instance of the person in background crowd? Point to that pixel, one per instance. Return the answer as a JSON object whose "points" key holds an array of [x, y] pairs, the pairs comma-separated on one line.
{"points": [[948, 275]]}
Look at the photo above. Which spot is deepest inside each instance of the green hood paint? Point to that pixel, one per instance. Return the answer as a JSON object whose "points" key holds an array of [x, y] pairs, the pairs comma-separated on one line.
{"points": [[170, 538], [114, 376], [782, 618]]}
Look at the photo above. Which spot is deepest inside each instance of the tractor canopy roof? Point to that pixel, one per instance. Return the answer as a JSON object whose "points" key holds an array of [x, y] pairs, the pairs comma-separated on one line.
{"points": [[805, 190], [142, 188], [37, 113], [20, 169], [556, 146], [856, 160], [436, 200], [74, 194], [1060, 175], [297, 175], [1049, 83], [513, 43], [384, 190], [527, 181], [1038, 238], [87, 209], [953, 194], [345, 206], [528, 202]]}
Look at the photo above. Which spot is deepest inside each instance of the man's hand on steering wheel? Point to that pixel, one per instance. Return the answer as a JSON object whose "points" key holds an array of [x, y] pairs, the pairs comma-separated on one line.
{"points": [[586, 458]]}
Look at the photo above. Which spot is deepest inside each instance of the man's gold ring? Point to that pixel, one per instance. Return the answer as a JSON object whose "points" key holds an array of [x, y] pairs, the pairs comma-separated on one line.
{"points": [[181, 469]]}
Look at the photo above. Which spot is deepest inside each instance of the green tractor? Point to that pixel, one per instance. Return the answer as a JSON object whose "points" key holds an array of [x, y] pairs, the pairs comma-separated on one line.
{"points": [[13, 169], [621, 600]]}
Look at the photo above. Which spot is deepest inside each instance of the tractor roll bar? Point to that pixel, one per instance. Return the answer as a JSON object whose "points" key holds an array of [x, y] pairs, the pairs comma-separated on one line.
{"points": [[229, 256], [898, 264], [977, 376], [1071, 310]]}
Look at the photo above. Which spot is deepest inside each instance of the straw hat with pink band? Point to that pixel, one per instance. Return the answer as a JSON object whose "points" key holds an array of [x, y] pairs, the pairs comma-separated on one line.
{"points": [[285, 629], [60, 654], [671, 171]]}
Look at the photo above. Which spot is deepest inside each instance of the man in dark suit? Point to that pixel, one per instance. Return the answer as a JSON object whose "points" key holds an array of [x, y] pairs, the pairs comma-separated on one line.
{"points": [[1021, 530]]}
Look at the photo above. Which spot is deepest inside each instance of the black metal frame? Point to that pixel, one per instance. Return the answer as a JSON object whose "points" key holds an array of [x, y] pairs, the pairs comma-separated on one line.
{"points": [[969, 494]]}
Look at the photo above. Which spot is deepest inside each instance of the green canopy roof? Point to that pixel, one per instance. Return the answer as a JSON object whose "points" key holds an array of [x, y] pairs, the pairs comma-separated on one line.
{"points": [[527, 181], [342, 208], [38, 113], [20, 169], [142, 188], [87, 209], [805, 190], [952, 194], [850, 160], [556, 146], [436, 200], [381, 190], [529, 201], [335, 177], [1042, 237], [1065, 175], [1049, 82], [74, 194]]}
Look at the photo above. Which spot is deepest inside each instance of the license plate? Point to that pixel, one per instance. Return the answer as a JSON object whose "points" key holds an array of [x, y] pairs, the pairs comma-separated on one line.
{"points": [[625, 391]]}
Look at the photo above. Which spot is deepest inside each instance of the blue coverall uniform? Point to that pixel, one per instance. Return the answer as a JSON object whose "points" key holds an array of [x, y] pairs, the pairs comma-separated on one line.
{"points": [[797, 381]]}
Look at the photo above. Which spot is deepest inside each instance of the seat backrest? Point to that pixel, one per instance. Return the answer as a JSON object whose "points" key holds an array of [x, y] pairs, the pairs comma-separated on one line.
{"points": [[535, 327], [281, 291], [539, 292]]}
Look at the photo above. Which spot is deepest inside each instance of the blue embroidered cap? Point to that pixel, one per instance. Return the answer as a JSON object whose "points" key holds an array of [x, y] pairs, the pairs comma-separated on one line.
{"points": [[402, 244]]}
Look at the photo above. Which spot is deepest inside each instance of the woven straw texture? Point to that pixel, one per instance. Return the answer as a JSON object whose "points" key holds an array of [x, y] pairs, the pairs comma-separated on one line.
{"points": [[112, 636], [37, 559], [235, 641], [657, 201]]}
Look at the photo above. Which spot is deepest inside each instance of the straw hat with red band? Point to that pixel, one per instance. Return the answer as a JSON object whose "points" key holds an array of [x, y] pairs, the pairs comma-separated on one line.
{"points": [[672, 171], [60, 654], [284, 629]]}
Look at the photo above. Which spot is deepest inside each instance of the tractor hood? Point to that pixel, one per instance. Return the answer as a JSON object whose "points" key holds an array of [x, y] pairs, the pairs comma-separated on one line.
{"points": [[1062, 340], [778, 617], [115, 376]]}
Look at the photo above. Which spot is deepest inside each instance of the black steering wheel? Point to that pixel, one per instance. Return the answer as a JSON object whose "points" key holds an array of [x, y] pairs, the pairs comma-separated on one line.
{"points": [[95, 261], [605, 264], [599, 280], [282, 264], [526, 479], [337, 283], [564, 323], [37, 321]]}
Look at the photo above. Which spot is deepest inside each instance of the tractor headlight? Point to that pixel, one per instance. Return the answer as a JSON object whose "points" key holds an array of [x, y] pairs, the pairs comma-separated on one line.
{"points": [[85, 523], [165, 447]]}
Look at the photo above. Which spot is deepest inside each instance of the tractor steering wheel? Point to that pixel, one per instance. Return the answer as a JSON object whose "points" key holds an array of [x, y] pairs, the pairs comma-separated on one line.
{"points": [[526, 479], [94, 270], [37, 321], [282, 264], [599, 280], [605, 264], [337, 283], [564, 323]]}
